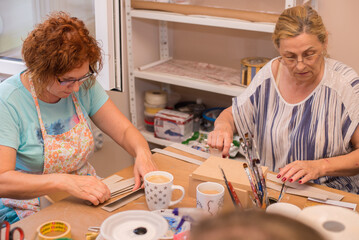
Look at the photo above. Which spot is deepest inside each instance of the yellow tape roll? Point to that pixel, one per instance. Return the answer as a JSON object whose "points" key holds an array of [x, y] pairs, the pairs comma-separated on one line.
{"points": [[250, 66], [54, 230], [153, 109]]}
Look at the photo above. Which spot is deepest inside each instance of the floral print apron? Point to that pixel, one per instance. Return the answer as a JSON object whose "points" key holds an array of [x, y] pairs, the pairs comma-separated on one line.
{"points": [[64, 153]]}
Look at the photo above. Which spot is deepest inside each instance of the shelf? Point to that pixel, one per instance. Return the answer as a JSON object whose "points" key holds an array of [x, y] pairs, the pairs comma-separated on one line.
{"points": [[152, 139], [190, 83], [204, 20], [186, 81]]}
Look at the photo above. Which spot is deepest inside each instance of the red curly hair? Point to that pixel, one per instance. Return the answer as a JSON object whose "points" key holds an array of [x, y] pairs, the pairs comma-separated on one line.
{"points": [[58, 45]]}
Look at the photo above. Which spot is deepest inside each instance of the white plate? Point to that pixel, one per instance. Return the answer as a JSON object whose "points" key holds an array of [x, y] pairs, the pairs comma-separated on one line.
{"points": [[173, 222], [123, 226], [335, 223]]}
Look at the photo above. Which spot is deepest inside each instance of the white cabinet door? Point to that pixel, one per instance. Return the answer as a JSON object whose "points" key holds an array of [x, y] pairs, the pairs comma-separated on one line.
{"points": [[108, 33]]}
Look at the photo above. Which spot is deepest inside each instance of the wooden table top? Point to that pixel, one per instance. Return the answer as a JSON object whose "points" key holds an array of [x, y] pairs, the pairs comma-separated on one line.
{"points": [[81, 216]]}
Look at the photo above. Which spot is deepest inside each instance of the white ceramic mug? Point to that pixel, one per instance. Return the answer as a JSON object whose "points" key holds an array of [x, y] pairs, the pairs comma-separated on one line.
{"points": [[286, 209], [159, 193], [210, 197]]}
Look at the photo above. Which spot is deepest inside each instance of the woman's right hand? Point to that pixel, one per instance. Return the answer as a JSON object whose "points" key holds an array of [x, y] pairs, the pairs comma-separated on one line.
{"points": [[88, 188], [222, 135]]}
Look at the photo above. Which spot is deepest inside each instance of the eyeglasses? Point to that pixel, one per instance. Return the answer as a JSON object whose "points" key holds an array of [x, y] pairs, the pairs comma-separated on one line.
{"points": [[80, 80], [293, 61]]}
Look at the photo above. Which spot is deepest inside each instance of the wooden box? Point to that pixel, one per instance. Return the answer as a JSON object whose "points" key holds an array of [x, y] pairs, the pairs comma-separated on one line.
{"points": [[210, 171]]}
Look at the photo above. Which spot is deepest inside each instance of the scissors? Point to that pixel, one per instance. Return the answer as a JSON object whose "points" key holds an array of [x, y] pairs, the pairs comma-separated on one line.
{"points": [[9, 234]]}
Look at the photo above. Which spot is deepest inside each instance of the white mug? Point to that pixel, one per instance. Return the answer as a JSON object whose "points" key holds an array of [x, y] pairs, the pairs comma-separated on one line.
{"points": [[210, 197], [158, 190], [286, 209]]}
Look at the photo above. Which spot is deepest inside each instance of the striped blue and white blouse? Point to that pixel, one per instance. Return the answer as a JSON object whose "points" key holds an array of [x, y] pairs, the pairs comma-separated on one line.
{"points": [[319, 126]]}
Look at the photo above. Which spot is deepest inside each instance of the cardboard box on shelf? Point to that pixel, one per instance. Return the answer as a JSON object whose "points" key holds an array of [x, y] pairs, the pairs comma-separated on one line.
{"points": [[210, 171], [173, 125]]}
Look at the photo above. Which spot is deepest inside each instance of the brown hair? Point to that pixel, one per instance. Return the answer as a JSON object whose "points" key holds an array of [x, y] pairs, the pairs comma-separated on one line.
{"points": [[58, 45], [297, 20]]}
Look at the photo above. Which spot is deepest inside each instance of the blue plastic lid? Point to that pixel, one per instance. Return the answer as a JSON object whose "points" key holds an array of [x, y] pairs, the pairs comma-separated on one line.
{"points": [[207, 112]]}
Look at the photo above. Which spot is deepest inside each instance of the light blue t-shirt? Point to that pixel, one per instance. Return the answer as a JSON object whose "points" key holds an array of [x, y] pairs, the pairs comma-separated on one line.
{"points": [[20, 127]]}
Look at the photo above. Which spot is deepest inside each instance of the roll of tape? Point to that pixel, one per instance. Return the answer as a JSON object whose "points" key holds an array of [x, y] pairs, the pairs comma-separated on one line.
{"points": [[153, 109], [54, 230], [250, 66], [156, 97]]}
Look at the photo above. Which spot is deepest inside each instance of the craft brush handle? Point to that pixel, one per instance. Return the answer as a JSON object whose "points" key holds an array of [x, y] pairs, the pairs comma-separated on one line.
{"points": [[281, 192], [252, 185], [258, 181], [231, 191], [245, 150], [233, 195], [263, 181]]}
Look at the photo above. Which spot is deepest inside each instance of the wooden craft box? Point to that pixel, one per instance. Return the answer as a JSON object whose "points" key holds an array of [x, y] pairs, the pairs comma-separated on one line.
{"points": [[210, 171]]}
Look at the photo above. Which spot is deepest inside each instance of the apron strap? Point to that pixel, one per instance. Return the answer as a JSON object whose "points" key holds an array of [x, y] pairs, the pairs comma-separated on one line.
{"points": [[33, 93]]}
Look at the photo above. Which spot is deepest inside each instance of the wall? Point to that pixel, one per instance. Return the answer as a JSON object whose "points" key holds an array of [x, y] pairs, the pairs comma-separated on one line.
{"points": [[342, 22]]}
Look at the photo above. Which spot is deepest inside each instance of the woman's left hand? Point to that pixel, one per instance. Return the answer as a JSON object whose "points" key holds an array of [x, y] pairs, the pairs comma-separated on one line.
{"points": [[300, 170], [143, 165]]}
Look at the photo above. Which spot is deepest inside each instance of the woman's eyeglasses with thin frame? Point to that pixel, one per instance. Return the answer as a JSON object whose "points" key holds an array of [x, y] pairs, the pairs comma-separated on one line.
{"points": [[293, 61], [80, 80]]}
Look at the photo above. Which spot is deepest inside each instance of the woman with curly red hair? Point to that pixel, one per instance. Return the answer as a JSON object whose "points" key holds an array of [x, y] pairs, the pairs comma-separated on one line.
{"points": [[45, 112]]}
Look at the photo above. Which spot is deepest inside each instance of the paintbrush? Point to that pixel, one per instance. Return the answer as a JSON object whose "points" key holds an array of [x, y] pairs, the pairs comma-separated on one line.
{"points": [[281, 192], [254, 190], [231, 191], [263, 181], [258, 180]]}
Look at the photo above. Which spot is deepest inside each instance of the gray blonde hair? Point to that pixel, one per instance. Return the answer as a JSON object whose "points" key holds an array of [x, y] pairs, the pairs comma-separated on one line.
{"points": [[297, 20]]}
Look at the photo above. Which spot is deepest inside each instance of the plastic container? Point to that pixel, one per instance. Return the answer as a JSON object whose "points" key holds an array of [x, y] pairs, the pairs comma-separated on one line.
{"points": [[153, 109], [149, 117], [149, 126], [197, 109], [209, 117], [185, 106]]}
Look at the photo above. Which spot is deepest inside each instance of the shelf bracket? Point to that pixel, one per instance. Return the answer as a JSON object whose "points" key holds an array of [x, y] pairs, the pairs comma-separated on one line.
{"points": [[163, 32], [130, 64]]}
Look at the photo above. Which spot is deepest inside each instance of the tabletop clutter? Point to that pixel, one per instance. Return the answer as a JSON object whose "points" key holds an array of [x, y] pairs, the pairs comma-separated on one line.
{"points": [[219, 185]]}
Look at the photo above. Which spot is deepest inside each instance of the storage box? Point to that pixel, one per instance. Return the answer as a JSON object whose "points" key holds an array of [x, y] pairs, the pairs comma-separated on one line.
{"points": [[173, 125], [210, 171]]}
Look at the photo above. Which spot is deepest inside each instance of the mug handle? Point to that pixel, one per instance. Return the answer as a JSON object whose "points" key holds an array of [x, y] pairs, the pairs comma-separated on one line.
{"points": [[180, 199]]}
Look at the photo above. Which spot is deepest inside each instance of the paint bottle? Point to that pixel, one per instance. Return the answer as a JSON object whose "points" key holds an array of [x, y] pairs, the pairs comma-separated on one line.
{"points": [[194, 213], [198, 109]]}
